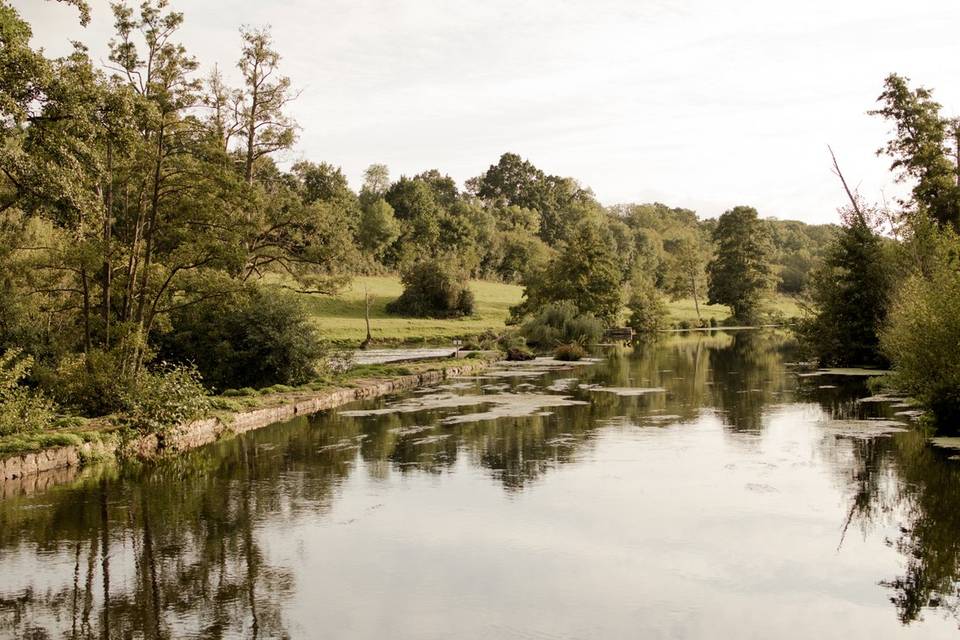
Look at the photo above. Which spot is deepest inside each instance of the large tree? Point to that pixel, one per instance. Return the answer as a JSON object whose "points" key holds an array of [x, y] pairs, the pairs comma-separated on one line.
{"points": [[740, 272], [585, 272], [925, 148]]}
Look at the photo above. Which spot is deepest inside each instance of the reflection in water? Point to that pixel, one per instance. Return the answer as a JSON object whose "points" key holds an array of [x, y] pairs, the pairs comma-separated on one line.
{"points": [[673, 513]]}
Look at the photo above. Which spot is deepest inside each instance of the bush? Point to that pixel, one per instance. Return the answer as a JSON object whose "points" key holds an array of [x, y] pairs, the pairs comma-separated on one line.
{"points": [[93, 384], [562, 323], [21, 410], [648, 311], [434, 289], [519, 354], [569, 352], [921, 338], [252, 338], [163, 399]]}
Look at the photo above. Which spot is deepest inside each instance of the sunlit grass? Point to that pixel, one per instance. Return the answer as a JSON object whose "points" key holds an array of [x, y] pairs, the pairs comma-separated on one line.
{"points": [[340, 318]]}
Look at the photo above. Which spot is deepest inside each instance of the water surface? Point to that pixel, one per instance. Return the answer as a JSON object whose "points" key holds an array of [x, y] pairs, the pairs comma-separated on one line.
{"points": [[723, 501]]}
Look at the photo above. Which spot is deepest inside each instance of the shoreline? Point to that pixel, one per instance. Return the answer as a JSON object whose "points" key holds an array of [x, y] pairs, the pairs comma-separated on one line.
{"points": [[25, 473]]}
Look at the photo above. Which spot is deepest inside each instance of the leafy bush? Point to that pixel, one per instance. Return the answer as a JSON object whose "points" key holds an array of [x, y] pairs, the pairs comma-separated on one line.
{"points": [[562, 323], [252, 338], [21, 410], [166, 398], [648, 311], [93, 384], [921, 339], [519, 354], [569, 352], [434, 288]]}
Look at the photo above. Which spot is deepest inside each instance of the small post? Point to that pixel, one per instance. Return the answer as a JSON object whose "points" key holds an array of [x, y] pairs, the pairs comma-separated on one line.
{"points": [[366, 317]]}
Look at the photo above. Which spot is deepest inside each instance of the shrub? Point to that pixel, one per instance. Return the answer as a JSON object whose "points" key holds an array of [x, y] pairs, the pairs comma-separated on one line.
{"points": [[21, 410], [562, 323], [921, 338], [255, 337], [165, 398], [569, 352], [93, 384], [648, 311], [519, 354], [434, 288]]}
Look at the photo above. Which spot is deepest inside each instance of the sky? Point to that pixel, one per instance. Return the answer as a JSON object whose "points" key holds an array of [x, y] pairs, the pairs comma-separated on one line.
{"points": [[694, 103]]}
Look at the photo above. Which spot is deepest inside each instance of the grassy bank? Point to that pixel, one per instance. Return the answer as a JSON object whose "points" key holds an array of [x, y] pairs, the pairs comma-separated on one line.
{"points": [[247, 409], [340, 318]]}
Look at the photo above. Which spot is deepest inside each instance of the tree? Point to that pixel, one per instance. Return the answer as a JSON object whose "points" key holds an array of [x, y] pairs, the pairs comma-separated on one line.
{"points": [[920, 148], [740, 273], [850, 294], [648, 311], [378, 227], [264, 127], [585, 272], [376, 180], [685, 275]]}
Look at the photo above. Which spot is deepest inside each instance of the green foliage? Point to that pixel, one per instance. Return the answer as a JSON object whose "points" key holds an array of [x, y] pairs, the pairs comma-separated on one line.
{"points": [[434, 288], [920, 148], [21, 410], [740, 272], [922, 335], [95, 384], [585, 273], [562, 323], [378, 227], [648, 310], [257, 336], [165, 398], [850, 293]]}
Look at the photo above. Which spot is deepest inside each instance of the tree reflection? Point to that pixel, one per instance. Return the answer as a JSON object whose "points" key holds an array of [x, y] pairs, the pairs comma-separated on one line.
{"points": [[178, 547]]}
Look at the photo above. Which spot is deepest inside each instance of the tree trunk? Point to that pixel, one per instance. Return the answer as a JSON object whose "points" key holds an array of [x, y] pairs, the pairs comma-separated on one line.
{"points": [[107, 276]]}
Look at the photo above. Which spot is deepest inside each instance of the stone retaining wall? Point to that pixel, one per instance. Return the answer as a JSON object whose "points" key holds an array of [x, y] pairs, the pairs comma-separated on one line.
{"points": [[46, 467]]}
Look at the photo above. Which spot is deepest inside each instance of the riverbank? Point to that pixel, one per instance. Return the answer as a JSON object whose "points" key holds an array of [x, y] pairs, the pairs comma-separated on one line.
{"points": [[37, 470]]}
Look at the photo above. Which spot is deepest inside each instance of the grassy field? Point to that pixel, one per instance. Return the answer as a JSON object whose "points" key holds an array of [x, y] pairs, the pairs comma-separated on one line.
{"points": [[340, 318]]}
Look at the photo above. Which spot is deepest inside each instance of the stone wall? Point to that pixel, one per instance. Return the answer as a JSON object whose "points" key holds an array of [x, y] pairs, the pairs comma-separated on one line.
{"points": [[20, 469]]}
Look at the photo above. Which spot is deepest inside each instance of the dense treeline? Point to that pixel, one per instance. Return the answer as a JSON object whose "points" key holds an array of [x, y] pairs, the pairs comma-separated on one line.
{"points": [[889, 288], [143, 211]]}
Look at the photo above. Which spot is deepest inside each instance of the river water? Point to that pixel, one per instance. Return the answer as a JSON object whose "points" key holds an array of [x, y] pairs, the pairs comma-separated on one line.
{"points": [[699, 488]]}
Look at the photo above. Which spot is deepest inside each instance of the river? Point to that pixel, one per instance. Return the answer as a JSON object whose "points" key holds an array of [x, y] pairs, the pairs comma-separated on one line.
{"points": [[697, 488]]}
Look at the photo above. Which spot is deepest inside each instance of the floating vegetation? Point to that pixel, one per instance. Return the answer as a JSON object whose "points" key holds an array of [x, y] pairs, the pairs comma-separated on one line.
{"points": [[946, 442], [629, 391], [431, 439], [519, 405], [862, 428], [406, 431], [563, 384], [841, 371], [882, 397], [504, 405]]}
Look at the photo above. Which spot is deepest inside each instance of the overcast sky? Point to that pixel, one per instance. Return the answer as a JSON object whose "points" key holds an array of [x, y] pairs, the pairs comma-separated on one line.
{"points": [[697, 103]]}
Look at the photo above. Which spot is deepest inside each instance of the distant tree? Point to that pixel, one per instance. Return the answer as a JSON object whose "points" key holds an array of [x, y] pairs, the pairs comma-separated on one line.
{"points": [[378, 227], [265, 127], [685, 274], [850, 293], [376, 180], [648, 310], [560, 202], [585, 272], [740, 273]]}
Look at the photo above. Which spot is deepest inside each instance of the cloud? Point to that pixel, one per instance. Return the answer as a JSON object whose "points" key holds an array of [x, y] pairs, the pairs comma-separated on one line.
{"points": [[700, 102]]}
